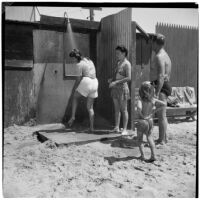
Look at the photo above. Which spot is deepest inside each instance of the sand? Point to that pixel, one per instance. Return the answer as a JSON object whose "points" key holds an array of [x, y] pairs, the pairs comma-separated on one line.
{"points": [[99, 169]]}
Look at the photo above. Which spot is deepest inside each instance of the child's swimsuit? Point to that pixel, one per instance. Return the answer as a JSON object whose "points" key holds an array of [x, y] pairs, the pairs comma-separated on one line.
{"points": [[145, 125]]}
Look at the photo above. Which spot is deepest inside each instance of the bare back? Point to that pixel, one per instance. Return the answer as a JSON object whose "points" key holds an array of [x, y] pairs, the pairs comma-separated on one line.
{"points": [[168, 64], [87, 68], [145, 107], [155, 68]]}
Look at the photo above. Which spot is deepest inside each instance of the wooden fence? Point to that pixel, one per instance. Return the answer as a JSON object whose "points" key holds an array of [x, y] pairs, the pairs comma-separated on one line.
{"points": [[182, 47]]}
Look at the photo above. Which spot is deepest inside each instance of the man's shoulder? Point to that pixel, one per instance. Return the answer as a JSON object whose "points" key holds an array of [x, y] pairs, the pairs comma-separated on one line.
{"points": [[126, 63], [159, 55], [162, 54]]}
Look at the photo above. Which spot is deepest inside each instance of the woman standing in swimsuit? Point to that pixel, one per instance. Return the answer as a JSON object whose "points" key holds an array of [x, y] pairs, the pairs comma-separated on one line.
{"points": [[86, 85], [119, 88]]}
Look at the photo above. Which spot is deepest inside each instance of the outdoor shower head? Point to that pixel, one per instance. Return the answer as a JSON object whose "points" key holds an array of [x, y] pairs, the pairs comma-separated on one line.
{"points": [[66, 17]]}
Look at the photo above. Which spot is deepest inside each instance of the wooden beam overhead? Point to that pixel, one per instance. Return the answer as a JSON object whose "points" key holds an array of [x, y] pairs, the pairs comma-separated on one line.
{"points": [[139, 28], [94, 8]]}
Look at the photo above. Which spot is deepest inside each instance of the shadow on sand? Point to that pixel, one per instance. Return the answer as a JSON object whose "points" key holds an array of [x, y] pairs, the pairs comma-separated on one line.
{"points": [[128, 142], [113, 159]]}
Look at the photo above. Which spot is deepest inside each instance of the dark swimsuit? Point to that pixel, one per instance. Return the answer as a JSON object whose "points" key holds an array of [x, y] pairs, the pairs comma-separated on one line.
{"points": [[166, 89], [145, 127]]}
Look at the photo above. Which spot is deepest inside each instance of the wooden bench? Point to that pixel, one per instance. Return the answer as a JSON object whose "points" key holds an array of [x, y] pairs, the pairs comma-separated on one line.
{"points": [[189, 112], [187, 103]]}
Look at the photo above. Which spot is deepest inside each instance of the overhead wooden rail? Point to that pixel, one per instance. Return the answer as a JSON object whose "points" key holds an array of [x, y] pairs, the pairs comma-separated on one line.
{"points": [[146, 35]]}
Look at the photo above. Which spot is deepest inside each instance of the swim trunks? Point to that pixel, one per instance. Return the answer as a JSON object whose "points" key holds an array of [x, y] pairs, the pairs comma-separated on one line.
{"points": [[166, 89]]}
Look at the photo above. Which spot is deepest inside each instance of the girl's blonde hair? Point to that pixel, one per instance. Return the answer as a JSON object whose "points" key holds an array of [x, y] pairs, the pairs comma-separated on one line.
{"points": [[146, 91]]}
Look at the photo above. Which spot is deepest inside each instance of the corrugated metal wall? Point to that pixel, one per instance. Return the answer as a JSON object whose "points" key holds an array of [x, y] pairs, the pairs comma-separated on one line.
{"points": [[115, 30], [182, 47]]}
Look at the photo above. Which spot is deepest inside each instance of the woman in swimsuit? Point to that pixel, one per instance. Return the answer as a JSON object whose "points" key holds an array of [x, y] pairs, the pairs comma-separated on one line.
{"points": [[119, 88]]}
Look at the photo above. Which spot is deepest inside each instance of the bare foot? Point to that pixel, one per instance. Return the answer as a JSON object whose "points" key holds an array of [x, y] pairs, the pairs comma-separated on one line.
{"points": [[157, 141], [115, 130], [70, 122], [151, 160], [141, 158], [125, 132], [160, 145]]}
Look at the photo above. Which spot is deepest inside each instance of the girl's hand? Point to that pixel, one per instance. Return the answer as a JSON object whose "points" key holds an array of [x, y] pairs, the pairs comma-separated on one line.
{"points": [[166, 77], [156, 96], [148, 117], [112, 84]]}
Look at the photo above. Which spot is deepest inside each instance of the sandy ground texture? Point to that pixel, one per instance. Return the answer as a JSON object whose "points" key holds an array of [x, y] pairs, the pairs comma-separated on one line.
{"points": [[100, 169]]}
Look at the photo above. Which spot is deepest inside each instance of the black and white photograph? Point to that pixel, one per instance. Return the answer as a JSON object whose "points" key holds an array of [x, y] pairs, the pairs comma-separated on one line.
{"points": [[100, 100]]}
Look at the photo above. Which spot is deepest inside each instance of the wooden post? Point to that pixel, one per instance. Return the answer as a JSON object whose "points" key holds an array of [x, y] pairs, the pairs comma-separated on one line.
{"points": [[92, 11], [34, 14], [93, 42], [64, 48], [133, 74], [91, 15]]}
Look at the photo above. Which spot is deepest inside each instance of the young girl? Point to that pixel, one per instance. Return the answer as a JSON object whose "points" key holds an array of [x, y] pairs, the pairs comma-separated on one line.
{"points": [[145, 109]]}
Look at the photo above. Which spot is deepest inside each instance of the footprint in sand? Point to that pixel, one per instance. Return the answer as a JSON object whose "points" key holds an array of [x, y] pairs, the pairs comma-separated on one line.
{"points": [[146, 192]]}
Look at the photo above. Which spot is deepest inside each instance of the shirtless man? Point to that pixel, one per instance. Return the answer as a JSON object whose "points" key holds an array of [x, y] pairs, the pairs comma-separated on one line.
{"points": [[160, 72]]}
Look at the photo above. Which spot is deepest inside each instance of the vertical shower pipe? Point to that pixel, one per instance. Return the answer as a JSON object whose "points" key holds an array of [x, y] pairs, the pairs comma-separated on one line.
{"points": [[64, 40]]}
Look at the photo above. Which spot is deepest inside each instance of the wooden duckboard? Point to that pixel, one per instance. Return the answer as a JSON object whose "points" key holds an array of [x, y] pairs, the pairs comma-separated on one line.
{"points": [[66, 137]]}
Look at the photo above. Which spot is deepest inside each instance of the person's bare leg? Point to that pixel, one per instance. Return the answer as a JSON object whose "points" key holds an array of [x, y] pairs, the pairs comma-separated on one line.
{"points": [[117, 114], [90, 102], [152, 146], [142, 127], [123, 107], [76, 97], [140, 144], [162, 121]]}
